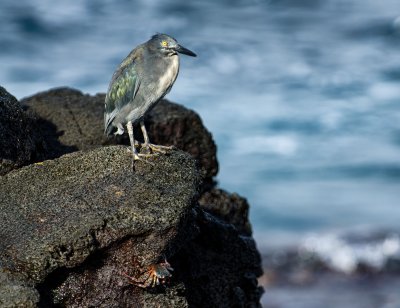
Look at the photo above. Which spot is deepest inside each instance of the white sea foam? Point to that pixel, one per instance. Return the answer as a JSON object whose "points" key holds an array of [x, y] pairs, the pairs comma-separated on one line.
{"points": [[343, 254]]}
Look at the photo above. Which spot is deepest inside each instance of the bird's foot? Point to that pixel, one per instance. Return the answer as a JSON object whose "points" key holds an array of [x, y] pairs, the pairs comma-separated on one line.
{"points": [[137, 144], [155, 148], [139, 157]]}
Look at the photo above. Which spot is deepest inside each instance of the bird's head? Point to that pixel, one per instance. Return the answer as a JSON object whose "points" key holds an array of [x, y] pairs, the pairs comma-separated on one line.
{"points": [[168, 46]]}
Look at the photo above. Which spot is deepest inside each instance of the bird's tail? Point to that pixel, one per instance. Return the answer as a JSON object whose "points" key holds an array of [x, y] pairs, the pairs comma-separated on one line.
{"points": [[108, 130], [108, 127]]}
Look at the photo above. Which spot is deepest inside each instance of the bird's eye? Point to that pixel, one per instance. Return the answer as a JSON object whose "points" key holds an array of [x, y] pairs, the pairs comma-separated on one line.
{"points": [[164, 44]]}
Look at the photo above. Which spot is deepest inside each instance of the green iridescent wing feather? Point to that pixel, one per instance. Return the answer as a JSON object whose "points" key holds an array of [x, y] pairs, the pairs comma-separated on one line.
{"points": [[122, 90]]}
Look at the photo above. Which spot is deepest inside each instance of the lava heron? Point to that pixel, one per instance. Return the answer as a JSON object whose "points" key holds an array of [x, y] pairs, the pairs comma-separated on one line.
{"points": [[140, 81]]}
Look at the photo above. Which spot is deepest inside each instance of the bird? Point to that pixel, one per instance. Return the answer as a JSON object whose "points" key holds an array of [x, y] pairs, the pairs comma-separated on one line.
{"points": [[141, 80]]}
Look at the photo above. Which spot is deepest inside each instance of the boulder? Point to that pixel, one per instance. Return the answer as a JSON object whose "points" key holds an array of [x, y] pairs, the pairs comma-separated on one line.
{"points": [[79, 218], [84, 208], [72, 228], [21, 142], [75, 120]]}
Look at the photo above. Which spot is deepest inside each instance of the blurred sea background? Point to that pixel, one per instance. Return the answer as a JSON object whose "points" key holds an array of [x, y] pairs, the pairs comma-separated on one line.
{"points": [[303, 101]]}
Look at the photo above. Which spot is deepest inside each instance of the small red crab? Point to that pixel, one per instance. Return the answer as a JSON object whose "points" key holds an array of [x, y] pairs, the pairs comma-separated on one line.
{"points": [[156, 274]]}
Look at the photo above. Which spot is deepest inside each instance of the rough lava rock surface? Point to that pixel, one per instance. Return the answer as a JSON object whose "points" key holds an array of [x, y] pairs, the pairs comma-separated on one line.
{"points": [[88, 202], [72, 225], [20, 141]]}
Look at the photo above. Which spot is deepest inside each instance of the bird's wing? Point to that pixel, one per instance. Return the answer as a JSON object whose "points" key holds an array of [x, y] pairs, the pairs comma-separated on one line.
{"points": [[122, 90]]}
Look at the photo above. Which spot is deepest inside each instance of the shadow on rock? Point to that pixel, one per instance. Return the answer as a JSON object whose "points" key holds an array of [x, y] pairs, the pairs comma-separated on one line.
{"points": [[21, 142]]}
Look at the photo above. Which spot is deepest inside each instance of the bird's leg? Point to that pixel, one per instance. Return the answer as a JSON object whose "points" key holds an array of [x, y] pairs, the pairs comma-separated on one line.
{"points": [[156, 148], [145, 137], [135, 154], [121, 131]]}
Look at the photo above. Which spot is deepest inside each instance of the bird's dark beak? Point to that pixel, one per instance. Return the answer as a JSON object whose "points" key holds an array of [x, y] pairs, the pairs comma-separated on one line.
{"points": [[185, 51]]}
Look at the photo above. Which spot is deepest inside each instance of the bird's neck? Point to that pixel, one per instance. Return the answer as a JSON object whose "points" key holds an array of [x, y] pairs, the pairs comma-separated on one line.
{"points": [[170, 72]]}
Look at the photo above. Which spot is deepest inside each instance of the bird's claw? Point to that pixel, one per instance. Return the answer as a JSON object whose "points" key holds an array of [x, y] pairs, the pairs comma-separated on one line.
{"points": [[140, 156], [158, 148], [149, 150]]}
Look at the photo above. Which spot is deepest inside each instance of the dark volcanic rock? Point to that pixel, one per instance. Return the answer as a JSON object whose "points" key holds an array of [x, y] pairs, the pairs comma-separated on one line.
{"points": [[208, 273], [20, 140], [232, 208], [220, 267], [70, 228], [91, 203], [78, 125]]}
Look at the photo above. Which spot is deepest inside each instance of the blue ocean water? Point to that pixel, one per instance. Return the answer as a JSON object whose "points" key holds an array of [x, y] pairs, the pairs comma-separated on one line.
{"points": [[302, 97]]}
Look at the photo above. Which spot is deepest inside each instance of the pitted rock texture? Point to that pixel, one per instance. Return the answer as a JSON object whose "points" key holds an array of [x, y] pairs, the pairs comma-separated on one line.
{"points": [[16, 292], [21, 142]]}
